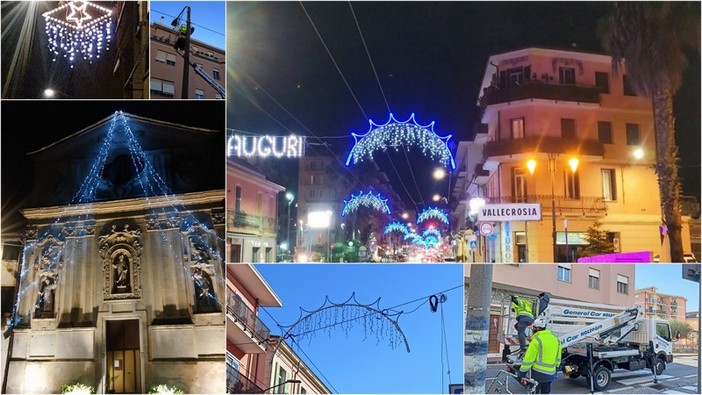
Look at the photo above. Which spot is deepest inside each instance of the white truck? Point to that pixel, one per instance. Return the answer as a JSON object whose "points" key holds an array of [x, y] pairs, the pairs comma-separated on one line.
{"points": [[597, 339]]}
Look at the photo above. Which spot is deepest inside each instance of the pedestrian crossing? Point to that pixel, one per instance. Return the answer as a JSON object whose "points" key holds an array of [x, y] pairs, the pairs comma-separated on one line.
{"points": [[644, 378]]}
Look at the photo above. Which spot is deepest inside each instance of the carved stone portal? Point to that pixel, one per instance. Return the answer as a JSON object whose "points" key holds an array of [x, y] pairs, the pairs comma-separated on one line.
{"points": [[120, 251]]}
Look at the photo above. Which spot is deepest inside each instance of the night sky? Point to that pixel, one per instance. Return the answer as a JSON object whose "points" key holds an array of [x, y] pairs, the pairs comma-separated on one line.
{"points": [[429, 56]]}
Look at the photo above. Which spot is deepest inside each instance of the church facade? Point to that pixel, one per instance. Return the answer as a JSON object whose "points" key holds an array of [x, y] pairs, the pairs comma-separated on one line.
{"points": [[121, 284]]}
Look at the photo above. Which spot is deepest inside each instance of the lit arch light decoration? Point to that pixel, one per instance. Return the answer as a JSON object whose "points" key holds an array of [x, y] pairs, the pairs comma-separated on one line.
{"points": [[368, 200], [416, 239], [396, 226], [431, 241], [78, 29], [431, 232], [433, 212], [371, 318], [395, 133]]}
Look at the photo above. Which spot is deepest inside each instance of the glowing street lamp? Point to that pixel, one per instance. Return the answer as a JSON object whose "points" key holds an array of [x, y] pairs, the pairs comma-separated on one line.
{"points": [[405, 215], [49, 93], [436, 197], [531, 166], [439, 173], [573, 163], [638, 153]]}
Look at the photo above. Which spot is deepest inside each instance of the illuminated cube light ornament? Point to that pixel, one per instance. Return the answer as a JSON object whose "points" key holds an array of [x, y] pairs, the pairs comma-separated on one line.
{"points": [[78, 29]]}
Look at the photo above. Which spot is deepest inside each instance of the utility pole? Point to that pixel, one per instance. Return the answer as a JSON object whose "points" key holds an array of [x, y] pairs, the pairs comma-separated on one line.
{"points": [[477, 328], [186, 56]]}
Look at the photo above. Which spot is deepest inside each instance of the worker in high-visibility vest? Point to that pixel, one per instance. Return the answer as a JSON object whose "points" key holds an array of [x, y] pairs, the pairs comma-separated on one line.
{"points": [[525, 316], [542, 358]]}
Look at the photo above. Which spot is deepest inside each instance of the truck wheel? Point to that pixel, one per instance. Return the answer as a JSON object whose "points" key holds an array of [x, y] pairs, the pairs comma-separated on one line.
{"points": [[602, 378], [660, 366]]}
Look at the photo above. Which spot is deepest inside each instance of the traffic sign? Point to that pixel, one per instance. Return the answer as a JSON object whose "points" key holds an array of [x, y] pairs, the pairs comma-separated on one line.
{"points": [[485, 228]]}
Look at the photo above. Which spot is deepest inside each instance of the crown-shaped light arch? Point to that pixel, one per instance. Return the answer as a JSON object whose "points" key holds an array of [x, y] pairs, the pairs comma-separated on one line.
{"points": [[395, 133], [370, 200]]}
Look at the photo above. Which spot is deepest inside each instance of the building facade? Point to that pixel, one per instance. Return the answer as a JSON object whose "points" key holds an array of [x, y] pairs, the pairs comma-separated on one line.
{"points": [[167, 66], [321, 192], [122, 276], [257, 361], [560, 129], [659, 305], [252, 214], [598, 284], [247, 337]]}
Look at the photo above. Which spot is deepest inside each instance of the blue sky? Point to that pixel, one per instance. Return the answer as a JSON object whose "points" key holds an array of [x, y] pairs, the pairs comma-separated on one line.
{"points": [[354, 365], [208, 18], [668, 279]]}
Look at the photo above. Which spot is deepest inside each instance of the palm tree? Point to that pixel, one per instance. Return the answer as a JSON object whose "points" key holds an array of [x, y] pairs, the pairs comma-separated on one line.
{"points": [[650, 39]]}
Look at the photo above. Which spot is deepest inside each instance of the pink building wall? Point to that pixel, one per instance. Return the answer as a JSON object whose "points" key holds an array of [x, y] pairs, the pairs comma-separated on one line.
{"points": [[544, 277]]}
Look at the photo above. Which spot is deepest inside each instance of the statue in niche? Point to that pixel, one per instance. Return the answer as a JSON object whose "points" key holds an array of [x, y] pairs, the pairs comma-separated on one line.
{"points": [[120, 265], [200, 253], [45, 300], [204, 291]]}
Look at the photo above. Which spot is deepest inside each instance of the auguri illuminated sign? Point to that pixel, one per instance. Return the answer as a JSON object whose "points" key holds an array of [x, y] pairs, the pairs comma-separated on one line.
{"points": [[264, 146]]}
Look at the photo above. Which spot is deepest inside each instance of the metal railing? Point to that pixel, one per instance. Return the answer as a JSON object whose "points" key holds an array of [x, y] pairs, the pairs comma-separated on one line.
{"points": [[540, 90], [241, 220], [584, 204], [238, 384], [248, 318]]}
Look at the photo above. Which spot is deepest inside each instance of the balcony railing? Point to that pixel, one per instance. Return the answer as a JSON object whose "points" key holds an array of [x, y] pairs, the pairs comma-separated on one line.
{"points": [[532, 144], [238, 384], [255, 223], [247, 317], [564, 204], [540, 90]]}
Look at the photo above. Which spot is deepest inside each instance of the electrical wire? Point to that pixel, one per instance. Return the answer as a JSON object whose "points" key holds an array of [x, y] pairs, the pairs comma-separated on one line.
{"points": [[292, 340], [363, 40], [332, 59], [351, 90], [377, 79], [404, 151], [313, 364], [333, 155], [191, 22]]}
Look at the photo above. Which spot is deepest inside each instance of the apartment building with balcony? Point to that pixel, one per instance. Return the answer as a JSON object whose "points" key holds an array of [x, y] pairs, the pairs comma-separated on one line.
{"points": [[252, 207], [551, 106], [257, 361], [167, 66], [660, 305], [247, 336], [600, 284]]}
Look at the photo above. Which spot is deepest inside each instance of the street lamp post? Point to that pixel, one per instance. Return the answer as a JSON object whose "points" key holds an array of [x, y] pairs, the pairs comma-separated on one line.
{"points": [[531, 166], [290, 197]]}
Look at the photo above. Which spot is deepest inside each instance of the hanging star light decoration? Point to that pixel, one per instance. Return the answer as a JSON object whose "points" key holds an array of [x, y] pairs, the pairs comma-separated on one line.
{"points": [[368, 200], [78, 29], [396, 226], [397, 134], [433, 212]]}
